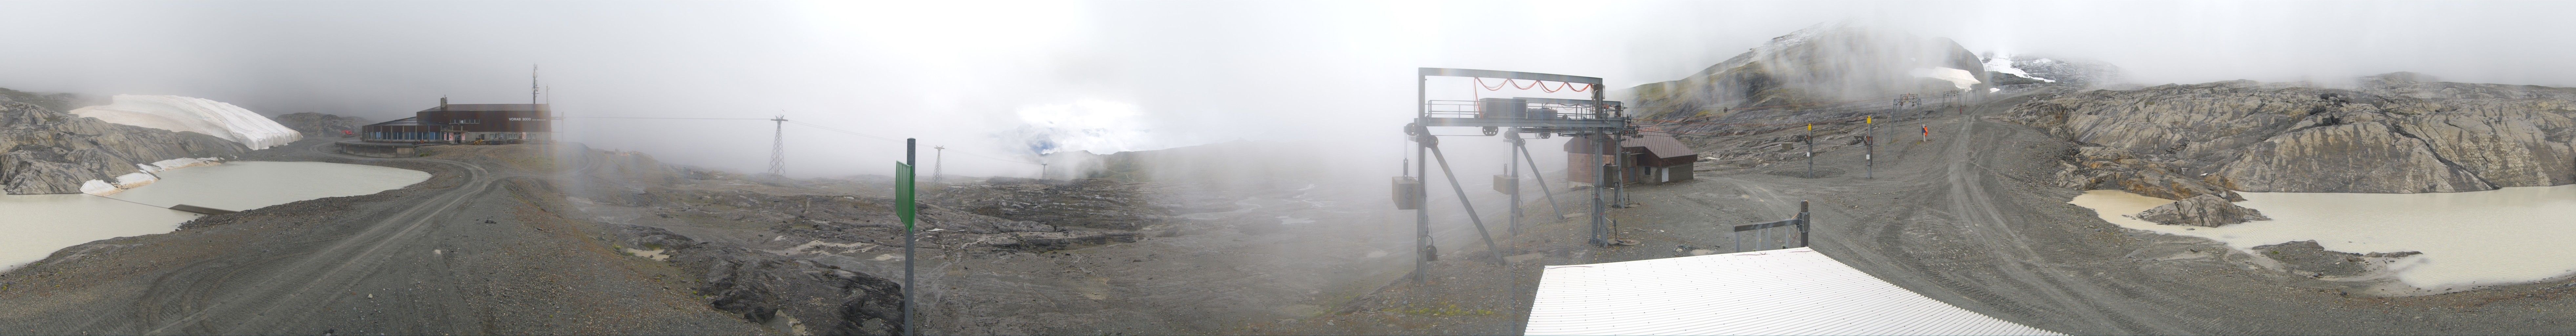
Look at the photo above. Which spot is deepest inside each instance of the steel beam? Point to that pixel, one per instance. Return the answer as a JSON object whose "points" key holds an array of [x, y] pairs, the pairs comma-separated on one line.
{"points": [[1509, 75], [1520, 122]]}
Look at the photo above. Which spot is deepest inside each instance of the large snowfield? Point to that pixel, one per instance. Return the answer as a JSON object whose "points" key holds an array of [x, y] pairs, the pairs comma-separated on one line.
{"points": [[188, 114]]}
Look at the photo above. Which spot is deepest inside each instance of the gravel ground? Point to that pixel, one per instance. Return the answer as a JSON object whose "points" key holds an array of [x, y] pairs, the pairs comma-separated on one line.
{"points": [[1970, 218], [462, 253]]}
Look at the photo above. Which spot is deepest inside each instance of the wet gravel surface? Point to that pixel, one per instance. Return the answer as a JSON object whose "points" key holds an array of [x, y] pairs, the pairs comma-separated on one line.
{"points": [[466, 252]]}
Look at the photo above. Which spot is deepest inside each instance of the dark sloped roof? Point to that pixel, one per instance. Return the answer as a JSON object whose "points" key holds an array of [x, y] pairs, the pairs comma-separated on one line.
{"points": [[489, 107], [1662, 146], [1659, 145]]}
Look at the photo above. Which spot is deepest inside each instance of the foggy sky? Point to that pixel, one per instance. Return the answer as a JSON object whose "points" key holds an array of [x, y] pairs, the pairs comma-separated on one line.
{"points": [[971, 75]]}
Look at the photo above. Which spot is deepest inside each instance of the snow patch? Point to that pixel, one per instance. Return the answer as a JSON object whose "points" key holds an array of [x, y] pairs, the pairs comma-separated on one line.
{"points": [[187, 114], [158, 166], [137, 179], [97, 187], [1961, 78], [2002, 63]]}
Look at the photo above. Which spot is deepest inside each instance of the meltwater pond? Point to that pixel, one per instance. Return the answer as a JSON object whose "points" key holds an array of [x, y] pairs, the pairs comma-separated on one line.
{"points": [[2468, 239], [240, 186], [34, 226]]}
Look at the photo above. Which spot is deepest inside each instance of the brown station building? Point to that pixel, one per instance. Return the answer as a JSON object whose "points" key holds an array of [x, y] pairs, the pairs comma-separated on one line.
{"points": [[459, 123], [1651, 159]]}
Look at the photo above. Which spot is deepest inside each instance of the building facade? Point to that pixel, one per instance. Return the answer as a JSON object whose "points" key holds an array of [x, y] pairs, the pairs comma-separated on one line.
{"points": [[1651, 159], [462, 123]]}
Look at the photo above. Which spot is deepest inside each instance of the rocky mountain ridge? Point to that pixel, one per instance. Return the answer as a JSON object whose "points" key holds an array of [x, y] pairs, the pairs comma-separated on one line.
{"points": [[44, 150], [318, 124], [2392, 133], [1825, 63]]}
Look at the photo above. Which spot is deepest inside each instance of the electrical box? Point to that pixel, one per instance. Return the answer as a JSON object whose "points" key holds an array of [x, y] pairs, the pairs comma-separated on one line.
{"points": [[1408, 193], [1501, 107], [1507, 185]]}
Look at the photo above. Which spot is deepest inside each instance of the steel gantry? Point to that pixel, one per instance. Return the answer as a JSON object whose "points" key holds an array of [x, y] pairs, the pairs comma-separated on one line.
{"points": [[1510, 118]]}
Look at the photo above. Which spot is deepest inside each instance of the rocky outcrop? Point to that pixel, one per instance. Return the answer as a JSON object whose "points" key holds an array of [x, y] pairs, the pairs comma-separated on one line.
{"points": [[1825, 63], [49, 101], [46, 151], [818, 299], [2394, 133], [1093, 203], [2097, 168], [319, 125], [2307, 258], [2203, 210], [825, 209]]}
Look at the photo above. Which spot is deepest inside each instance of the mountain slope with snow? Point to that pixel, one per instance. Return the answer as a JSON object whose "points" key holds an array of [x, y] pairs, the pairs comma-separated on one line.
{"points": [[188, 114], [1821, 64]]}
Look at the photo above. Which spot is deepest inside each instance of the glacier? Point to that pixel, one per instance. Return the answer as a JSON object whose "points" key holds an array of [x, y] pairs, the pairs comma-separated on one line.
{"points": [[189, 114]]}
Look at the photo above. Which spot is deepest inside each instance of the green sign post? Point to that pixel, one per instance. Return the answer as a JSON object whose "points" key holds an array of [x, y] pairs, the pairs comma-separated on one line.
{"points": [[903, 206], [904, 209]]}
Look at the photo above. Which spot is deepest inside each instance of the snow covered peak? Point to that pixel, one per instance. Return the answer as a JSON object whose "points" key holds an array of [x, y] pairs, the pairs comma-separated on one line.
{"points": [[2003, 63], [187, 114]]}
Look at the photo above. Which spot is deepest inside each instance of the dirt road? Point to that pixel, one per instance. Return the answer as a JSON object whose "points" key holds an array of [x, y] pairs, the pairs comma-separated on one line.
{"points": [[462, 253]]}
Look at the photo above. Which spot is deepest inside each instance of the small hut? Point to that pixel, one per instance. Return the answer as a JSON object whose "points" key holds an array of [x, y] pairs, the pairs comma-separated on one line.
{"points": [[1650, 159]]}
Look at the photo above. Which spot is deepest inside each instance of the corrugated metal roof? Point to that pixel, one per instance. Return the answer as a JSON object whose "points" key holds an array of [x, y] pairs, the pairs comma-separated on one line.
{"points": [[1659, 145], [1662, 146], [1777, 292]]}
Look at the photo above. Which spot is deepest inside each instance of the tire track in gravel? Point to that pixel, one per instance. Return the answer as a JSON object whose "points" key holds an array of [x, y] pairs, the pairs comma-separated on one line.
{"points": [[339, 267]]}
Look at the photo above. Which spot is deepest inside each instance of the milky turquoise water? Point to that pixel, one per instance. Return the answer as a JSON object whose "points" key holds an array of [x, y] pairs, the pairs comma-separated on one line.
{"points": [[2468, 239], [34, 226]]}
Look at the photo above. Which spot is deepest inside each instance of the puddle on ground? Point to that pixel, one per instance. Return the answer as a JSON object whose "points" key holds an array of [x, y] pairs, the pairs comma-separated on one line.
{"points": [[2469, 239], [34, 226], [655, 254]]}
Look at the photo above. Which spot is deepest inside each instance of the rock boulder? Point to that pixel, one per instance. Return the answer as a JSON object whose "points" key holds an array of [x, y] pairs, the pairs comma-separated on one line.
{"points": [[2203, 210]]}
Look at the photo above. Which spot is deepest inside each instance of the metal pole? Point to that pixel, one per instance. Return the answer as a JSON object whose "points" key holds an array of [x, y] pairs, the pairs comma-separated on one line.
{"points": [[1513, 166], [908, 322], [1600, 179], [1472, 217], [1541, 176], [1423, 251], [1811, 150], [1802, 224], [939, 154], [1871, 140]]}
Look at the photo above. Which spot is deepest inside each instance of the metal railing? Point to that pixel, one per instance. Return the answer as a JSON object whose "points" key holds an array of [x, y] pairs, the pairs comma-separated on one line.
{"points": [[1778, 239], [1470, 109]]}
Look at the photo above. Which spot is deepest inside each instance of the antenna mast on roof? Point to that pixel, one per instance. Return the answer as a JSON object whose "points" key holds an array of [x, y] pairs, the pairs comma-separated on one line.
{"points": [[532, 87]]}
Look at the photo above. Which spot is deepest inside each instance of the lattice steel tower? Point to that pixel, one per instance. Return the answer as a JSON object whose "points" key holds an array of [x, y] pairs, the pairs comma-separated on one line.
{"points": [[778, 147]]}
